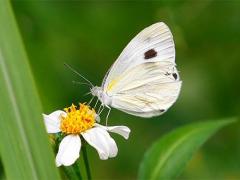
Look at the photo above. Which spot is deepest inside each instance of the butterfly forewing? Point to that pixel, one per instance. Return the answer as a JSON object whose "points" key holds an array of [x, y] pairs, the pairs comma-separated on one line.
{"points": [[154, 43]]}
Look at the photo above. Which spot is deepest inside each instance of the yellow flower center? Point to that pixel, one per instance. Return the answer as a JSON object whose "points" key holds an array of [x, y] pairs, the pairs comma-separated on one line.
{"points": [[77, 120]]}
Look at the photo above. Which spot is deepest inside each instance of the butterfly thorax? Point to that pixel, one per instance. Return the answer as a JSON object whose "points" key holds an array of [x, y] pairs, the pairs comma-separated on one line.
{"points": [[102, 96]]}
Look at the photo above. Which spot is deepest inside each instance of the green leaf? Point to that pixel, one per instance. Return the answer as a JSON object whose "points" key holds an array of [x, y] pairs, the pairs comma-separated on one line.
{"points": [[24, 147], [170, 154]]}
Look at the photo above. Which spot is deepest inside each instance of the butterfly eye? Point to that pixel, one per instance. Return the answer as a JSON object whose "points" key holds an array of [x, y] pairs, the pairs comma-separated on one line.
{"points": [[150, 54]]}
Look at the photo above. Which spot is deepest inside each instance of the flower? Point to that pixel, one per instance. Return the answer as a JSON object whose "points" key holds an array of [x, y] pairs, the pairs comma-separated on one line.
{"points": [[73, 123]]}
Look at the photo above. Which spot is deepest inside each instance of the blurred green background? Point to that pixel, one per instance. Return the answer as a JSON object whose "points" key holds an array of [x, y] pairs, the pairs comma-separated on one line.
{"points": [[90, 36]]}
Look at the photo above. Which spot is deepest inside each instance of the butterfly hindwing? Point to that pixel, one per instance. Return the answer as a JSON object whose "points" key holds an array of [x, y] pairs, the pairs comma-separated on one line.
{"points": [[148, 89]]}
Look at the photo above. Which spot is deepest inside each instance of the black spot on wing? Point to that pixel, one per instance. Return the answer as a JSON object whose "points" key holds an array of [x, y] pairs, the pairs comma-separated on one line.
{"points": [[162, 110], [175, 76], [167, 74], [150, 54]]}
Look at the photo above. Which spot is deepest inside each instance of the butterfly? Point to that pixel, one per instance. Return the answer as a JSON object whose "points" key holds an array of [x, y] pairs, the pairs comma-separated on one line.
{"points": [[143, 81]]}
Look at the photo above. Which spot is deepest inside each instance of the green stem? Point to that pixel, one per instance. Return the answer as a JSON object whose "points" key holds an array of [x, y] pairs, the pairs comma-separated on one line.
{"points": [[70, 173], [85, 158], [76, 168]]}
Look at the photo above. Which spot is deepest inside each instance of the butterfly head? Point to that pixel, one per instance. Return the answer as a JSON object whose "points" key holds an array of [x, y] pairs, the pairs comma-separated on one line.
{"points": [[96, 91], [102, 96]]}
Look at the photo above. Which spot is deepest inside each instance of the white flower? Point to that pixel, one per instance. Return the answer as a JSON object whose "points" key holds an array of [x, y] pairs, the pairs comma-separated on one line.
{"points": [[75, 122]]}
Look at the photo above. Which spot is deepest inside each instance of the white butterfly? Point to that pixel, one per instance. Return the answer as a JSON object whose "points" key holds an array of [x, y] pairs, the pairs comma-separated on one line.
{"points": [[144, 80]]}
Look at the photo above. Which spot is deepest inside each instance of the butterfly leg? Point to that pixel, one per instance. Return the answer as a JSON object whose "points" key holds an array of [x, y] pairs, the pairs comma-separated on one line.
{"points": [[109, 110], [101, 109], [96, 104], [91, 100]]}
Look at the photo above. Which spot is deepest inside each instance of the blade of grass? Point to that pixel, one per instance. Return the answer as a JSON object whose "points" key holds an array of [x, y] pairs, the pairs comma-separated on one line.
{"points": [[24, 147], [170, 154]]}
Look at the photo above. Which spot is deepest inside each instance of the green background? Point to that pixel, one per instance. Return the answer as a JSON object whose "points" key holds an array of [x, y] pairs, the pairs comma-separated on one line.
{"points": [[90, 36]]}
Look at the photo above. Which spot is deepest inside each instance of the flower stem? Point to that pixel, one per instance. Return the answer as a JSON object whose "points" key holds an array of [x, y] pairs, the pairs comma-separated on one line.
{"points": [[85, 158], [72, 172], [76, 168]]}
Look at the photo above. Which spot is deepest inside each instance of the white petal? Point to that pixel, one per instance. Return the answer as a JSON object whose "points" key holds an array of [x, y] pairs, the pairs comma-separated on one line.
{"points": [[52, 121], [97, 118], [101, 141], [124, 131], [69, 150]]}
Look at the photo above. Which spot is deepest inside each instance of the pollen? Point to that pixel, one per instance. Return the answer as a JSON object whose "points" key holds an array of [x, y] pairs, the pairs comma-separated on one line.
{"points": [[77, 119]]}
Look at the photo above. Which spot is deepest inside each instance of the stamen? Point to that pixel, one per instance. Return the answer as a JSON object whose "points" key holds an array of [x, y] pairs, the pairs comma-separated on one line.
{"points": [[77, 120]]}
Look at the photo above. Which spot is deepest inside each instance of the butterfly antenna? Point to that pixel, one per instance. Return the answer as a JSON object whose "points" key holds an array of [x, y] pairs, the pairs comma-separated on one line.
{"points": [[82, 83], [87, 93], [73, 70]]}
